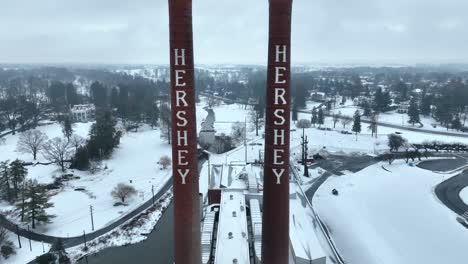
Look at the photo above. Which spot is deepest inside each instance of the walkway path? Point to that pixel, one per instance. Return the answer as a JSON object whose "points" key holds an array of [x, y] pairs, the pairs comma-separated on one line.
{"points": [[74, 241]]}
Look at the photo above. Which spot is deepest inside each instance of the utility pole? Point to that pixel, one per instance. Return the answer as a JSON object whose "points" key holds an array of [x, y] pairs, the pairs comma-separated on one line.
{"points": [[30, 246], [152, 191], [92, 219], [245, 139], [209, 173], [84, 239], [304, 143], [19, 239]]}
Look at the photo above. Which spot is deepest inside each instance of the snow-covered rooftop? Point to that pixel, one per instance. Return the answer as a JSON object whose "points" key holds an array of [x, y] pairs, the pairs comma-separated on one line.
{"points": [[232, 239], [256, 219], [302, 234]]}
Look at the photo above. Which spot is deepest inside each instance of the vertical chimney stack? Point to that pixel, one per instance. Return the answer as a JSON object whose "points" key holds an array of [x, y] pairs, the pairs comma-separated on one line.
{"points": [[187, 245], [275, 233]]}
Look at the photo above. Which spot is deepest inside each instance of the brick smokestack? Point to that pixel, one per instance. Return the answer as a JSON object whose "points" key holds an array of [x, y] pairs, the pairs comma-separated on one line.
{"points": [[275, 233], [187, 245]]}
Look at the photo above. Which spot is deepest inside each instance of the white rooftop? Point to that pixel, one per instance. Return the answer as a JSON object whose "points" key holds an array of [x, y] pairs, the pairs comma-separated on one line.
{"points": [[232, 239]]}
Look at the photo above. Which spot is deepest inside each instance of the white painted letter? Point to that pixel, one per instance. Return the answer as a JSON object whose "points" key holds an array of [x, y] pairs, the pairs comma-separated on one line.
{"points": [[183, 174], [278, 75], [178, 77], [180, 115], [177, 57], [281, 52], [181, 158], [181, 138], [277, 156], [278, 175], [279, 94], [277, 114], [278, 134], [180, 97]]}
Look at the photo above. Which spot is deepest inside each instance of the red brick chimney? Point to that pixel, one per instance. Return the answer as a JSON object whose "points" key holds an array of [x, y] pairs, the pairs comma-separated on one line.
{"points": [[187, 245], [275, 233]]}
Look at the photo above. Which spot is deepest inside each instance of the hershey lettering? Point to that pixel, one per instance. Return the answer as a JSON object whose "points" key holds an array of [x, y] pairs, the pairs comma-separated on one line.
{"points": [[279, 120], [181, 160]]}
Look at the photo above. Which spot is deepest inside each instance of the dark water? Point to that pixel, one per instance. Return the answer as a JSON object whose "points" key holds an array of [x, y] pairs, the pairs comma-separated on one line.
{"points": [[157, 249]]}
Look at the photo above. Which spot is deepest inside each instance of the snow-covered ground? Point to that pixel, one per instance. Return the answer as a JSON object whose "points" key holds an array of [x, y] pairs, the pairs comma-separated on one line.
{"points": [[44, 174], [391, 117], [125, 235], [25, 253], [464, 195], [391, 217], [133, 162]]}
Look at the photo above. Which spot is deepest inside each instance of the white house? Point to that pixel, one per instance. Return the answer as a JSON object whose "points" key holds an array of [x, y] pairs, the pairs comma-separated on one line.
{"points": [[82, 113]]}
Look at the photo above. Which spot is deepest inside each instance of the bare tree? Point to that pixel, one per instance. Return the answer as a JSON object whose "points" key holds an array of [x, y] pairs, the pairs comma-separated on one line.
{"points": [[31, 141], [212, 102], [3, 235], [303, 123], [336, 117], [165, 161], [166, 122], [58, 151], [238, 131], [77, 141], [374, 123], [345, 121], [256, 118], [123, 191]]}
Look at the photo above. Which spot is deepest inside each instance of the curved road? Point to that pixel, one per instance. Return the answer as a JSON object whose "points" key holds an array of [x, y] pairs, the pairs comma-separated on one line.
{"points": [[74, 241], [448, 192]]}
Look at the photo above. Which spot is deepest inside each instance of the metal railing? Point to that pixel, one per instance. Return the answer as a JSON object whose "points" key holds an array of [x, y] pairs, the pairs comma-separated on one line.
{"points": [[323, 228]]}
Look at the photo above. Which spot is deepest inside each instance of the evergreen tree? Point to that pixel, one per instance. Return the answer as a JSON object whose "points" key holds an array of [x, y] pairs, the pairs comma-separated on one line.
{"points": [[294, 112], [313, 119], [67, 127], [17, 172], [99, 94], [81, 159], [426, 104], [413, 112], [103, 137], [6, 191], [356, 123], [381, 100], [320, 117], [456, 123], [35, 204]]}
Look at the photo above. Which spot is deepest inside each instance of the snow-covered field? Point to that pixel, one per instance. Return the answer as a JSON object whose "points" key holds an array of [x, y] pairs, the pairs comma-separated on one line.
{"points": [[391, 117], [391, 217], [464, 195], [25, 253], [44, 174], [133, 162]]}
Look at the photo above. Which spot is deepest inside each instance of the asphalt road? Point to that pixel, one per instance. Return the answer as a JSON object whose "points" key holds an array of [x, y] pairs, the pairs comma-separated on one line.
{"points": [[74, 241], [334, 165], [448, 192]]}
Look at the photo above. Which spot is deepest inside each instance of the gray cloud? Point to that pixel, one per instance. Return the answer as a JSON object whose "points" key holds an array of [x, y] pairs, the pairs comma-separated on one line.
{"points": [[230, 31]]}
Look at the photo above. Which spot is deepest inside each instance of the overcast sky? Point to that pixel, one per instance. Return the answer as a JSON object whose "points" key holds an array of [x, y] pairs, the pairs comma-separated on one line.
{"points": [[234, 31]]}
